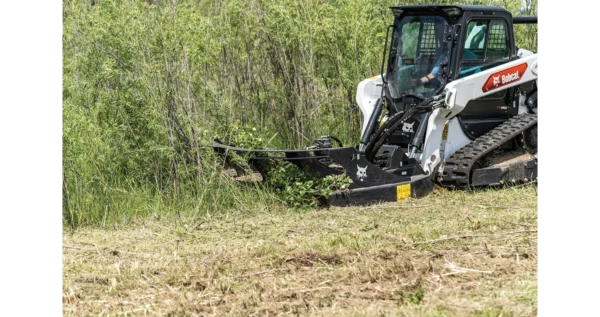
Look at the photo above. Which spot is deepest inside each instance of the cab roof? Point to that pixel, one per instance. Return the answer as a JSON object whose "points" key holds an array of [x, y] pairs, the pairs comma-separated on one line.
{"points": [[399, 10]]}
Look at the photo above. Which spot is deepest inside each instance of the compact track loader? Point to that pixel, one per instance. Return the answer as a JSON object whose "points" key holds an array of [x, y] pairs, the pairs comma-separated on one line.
{"points": [[455, 105]]}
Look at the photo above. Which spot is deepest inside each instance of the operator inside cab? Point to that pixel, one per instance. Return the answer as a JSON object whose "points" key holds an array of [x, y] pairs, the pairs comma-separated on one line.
{"points": [[419, 54], [475, 40], [467, 55]]}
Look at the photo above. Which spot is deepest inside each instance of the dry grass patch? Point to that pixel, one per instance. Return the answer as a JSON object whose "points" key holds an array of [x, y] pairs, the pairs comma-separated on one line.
{"points": [[355, 261]]}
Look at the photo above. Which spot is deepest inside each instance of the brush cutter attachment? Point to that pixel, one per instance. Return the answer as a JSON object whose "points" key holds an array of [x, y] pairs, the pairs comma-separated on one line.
{"points": [[371, 182]]}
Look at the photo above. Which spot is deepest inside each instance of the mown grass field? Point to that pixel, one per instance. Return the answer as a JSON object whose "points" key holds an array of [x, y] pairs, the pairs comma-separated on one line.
{"points": [[450, 254]]}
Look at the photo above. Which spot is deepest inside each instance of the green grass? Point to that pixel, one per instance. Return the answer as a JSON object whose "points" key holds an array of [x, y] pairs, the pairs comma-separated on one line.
{"points": [[355, 261]]}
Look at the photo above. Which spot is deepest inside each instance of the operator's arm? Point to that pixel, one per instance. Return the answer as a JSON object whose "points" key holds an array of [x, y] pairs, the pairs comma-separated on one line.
{"points": [[427, 78], [434, 72]]}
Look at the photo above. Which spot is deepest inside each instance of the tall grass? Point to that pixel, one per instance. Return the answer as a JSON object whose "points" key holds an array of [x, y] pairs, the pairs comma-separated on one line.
{"points": [[148, 84]]}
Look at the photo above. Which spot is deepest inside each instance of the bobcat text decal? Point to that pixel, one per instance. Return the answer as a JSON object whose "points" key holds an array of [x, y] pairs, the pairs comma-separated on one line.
{"points": [[505, 77]]}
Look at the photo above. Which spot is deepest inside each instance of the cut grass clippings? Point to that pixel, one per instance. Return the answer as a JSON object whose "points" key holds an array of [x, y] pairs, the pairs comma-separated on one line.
{"points": [[353, 261]]}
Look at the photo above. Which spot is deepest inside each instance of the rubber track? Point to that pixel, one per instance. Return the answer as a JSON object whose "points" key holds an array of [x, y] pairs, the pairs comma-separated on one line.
{"points": [[457, 170]]}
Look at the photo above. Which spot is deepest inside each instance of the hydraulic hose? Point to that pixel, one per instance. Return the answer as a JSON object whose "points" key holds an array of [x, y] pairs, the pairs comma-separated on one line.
{"points": [[391, 125], [364, 140], [419, 135], [377, 145], [339, 142]]}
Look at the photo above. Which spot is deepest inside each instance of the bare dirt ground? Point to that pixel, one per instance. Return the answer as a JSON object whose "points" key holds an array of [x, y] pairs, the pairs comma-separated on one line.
{"points": [[450, 254]]}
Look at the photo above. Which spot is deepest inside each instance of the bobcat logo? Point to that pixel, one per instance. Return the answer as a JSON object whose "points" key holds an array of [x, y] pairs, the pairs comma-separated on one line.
{"points": [[362, 172], [497, 80], [406, 127]]}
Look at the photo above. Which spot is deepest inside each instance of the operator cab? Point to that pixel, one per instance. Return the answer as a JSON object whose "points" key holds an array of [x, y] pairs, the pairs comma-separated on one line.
{"points": [[438, 44]]}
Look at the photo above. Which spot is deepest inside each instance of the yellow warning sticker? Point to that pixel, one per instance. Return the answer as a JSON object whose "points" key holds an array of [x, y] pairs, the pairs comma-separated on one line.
{"points": [[445, 132], [402, 192]]}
